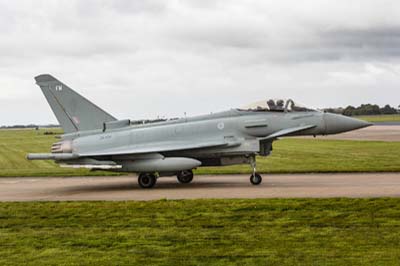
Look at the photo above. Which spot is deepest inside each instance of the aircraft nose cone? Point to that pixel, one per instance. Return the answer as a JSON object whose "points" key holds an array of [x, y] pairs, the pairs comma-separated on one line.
{"points": [[338, 123]]}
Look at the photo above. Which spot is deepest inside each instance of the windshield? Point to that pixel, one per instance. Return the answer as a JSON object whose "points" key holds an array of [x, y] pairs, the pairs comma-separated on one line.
{"points": [[276, 105]]}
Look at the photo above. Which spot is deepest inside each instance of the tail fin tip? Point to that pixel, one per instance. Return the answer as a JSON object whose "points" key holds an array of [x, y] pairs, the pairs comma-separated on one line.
{"points": [[44, 78]]}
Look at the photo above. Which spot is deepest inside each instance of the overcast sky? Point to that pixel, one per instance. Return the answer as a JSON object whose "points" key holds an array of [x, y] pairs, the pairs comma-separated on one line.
{"points": [[143, 59]]}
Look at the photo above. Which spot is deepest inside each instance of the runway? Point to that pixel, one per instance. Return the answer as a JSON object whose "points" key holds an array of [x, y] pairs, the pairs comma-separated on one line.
{"points": [[373, 133], [224, 186]]}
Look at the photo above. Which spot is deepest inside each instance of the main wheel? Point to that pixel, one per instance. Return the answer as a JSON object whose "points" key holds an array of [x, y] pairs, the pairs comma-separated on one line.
{"points": [[185, 177], [255, 179], [147, 180]]}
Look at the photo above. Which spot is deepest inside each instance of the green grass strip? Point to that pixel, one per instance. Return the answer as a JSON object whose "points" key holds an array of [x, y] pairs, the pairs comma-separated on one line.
{"points": [[202, 232], [289, 156], [380, 118]]}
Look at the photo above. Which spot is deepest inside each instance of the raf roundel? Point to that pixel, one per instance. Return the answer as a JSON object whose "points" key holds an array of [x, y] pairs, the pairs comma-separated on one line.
{"points": [[221, 125]]}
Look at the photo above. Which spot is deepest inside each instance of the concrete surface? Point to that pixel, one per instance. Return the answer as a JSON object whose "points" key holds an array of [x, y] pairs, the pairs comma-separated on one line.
{"points": [[224, 186], [374, 133]]}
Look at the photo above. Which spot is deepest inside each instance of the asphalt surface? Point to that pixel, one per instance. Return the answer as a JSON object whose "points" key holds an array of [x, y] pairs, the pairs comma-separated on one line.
{"points": [[388, 123], [373, 133], [225, 186]]}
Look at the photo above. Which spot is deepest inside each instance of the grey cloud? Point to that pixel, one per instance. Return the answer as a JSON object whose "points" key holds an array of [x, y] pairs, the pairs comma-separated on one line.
{"points": [[165, 57], [373, 43], [129, 6], [316, 45], [92, 8], [90, 28]]}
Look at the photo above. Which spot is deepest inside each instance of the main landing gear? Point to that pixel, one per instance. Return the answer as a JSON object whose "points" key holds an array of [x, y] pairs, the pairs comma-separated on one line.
{"points": [[255, 177], [185, 177], [147, 180]]}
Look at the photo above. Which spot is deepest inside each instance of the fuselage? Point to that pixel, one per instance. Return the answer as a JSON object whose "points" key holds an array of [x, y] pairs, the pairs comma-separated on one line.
{"points": [[97, 140], [241, 128], [229, 124], [242, 131]]}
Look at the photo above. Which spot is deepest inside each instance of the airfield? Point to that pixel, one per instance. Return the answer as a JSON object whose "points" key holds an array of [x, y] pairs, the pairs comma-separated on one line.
{"points": [[297, 185], [346, 213], [384, 132], [203, 187]]}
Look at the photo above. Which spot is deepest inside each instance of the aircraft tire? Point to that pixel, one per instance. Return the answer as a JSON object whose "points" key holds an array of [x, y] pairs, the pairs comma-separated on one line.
{"points": [[147, 180], [185, 177], [255, 179]]}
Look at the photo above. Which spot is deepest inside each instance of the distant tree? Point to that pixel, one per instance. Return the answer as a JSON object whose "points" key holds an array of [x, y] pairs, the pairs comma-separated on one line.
{"points": [[349, 110], [329, 110], [388, 110], [334, 110], [369, 109]]}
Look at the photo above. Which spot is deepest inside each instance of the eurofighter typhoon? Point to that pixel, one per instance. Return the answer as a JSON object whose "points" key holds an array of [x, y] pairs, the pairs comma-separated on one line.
{"points": [[96, 140]]}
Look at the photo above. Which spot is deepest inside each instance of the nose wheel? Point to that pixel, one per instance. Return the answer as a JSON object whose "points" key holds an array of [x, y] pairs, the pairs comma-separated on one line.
{"points": [[255, 178]]}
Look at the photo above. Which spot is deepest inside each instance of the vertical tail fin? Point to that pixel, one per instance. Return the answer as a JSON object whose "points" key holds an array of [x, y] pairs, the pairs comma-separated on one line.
{"points": [[73, 111]]}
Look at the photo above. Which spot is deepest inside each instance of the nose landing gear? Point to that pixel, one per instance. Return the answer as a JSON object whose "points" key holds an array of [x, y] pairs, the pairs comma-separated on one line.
{"points": [[255, 177]]}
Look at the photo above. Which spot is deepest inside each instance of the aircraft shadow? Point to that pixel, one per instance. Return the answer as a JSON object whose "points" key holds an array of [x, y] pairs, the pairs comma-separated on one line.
{"points": [[159, 186]]}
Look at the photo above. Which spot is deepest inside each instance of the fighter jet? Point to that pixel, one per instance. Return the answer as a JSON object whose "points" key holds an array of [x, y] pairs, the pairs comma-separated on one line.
{"points": [[96, 140]]}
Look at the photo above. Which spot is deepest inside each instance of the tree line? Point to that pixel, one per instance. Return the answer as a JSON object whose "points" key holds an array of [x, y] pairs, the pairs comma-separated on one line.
{"points": [[365, 109]]}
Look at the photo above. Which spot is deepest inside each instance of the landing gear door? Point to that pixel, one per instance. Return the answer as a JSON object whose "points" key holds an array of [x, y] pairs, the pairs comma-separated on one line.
{"points": [[265, 147]]}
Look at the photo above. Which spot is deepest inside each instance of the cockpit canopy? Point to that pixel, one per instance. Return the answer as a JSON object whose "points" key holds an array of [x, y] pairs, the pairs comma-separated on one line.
{"points": [[276, 105]]}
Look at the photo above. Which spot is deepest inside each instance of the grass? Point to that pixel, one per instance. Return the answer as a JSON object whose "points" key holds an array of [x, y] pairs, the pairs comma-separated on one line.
{"points": [[202, 232], [323, 156], [15, 144], [380, 118], [289, 156]]}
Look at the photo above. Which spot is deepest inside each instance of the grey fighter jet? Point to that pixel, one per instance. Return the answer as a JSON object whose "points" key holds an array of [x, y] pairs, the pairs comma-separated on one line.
{"points": [[95, 139]]}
